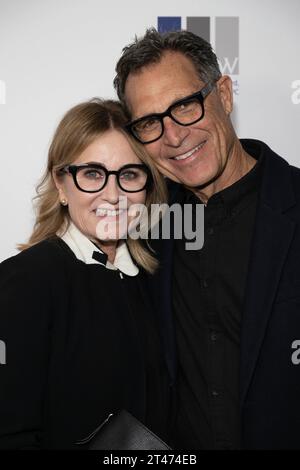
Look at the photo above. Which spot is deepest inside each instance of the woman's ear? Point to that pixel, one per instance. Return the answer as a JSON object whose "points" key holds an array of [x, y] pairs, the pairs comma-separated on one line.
{"points": [[56, 179], [224, 87], [59, 186]]}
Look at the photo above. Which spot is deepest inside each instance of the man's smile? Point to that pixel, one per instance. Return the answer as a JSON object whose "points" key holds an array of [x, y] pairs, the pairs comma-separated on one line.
{"points": [[190, 153]]}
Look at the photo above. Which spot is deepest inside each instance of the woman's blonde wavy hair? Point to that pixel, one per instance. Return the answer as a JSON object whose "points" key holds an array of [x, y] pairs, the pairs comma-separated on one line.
{"points": [[77, 130]]}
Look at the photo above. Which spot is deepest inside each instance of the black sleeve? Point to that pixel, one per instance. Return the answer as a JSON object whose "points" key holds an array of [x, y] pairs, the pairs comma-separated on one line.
{"points": [[25, 302]]}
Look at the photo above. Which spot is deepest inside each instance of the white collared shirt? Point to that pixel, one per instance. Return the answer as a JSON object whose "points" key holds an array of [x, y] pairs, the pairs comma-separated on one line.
{"points": [[83, 249]]}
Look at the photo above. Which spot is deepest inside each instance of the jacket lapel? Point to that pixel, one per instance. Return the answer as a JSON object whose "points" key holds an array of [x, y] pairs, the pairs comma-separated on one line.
{"points": [[272, 237]]}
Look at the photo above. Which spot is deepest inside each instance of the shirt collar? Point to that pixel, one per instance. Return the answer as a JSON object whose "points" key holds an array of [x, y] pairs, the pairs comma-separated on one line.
{"points": [[85, 250]]}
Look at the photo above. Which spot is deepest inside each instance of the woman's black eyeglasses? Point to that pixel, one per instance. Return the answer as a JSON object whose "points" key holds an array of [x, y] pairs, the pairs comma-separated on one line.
{"points": [[92, 177]]}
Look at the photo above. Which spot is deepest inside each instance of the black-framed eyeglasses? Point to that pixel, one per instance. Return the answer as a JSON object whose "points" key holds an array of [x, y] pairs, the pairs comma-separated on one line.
{"points": [[92, 177], [186, 111]]}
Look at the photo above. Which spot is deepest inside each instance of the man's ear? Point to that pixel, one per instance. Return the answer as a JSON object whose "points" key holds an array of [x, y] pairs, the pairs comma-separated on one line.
{"points": [[224, 87]]}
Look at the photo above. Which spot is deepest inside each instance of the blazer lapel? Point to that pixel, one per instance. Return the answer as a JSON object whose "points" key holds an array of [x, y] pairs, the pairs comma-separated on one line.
{"points": [[273, 234]]}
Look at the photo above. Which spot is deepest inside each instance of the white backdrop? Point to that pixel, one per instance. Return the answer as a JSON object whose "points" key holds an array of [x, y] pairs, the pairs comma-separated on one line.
{"points": [[56, 53]]}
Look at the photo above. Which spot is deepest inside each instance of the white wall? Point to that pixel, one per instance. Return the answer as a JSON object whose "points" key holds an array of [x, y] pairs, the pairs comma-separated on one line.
{"points": [[56, 53]]}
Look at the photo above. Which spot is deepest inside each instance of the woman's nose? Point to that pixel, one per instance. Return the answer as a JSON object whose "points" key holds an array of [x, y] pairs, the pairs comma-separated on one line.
{"points": [[111, 191]]}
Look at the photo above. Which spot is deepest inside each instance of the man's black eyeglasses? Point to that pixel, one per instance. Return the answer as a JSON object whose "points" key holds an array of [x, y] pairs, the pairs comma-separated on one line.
{"points": [[185, 112], [92, 177]]}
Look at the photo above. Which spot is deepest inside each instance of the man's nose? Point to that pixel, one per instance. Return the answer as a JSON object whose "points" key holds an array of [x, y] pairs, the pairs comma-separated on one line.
{"points": [[174, 134]]}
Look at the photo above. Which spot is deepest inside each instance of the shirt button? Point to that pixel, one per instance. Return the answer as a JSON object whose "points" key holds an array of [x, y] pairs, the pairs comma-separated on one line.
{"points": [[204, 283], [210, 231], [215, 394], [214, 336]]}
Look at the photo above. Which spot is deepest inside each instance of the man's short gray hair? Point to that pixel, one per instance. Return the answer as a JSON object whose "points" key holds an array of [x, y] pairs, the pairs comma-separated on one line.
{"points": [[150, 48]]}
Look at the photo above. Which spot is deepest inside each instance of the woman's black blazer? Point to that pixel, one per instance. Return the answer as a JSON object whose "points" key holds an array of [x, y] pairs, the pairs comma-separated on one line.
{"points": [[73, 351]]}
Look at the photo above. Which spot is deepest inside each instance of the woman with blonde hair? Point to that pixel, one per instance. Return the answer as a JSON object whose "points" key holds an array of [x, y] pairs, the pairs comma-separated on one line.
{"points": [[81, 336]]}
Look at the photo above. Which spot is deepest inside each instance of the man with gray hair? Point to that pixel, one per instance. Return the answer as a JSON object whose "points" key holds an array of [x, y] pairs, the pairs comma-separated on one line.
{"points": [[230, 312]]}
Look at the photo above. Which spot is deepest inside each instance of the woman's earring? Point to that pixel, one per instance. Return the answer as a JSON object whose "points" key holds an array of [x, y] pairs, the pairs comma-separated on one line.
{"points": [[64, 202]]}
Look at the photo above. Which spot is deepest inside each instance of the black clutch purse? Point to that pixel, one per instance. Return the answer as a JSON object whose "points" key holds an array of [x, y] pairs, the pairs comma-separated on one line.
{"points": [[122, 431]]}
